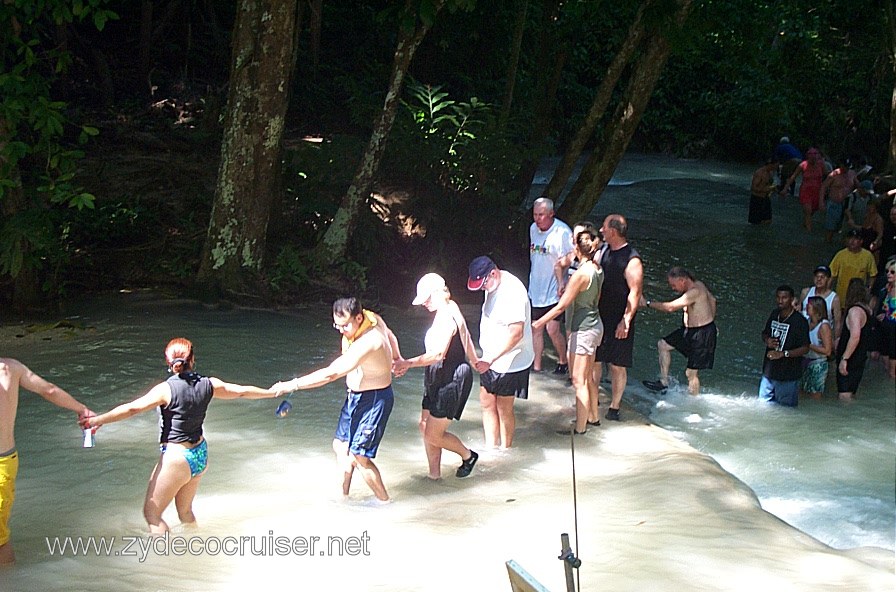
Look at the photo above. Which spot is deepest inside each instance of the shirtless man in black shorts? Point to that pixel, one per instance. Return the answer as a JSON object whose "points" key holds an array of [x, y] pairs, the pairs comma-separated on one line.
{"points": [[696, 338]]}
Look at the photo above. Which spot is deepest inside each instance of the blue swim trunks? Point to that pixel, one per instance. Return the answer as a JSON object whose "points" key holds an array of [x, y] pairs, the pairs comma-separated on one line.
{"points": [[197, 457], [362, 421], [833, 216]]}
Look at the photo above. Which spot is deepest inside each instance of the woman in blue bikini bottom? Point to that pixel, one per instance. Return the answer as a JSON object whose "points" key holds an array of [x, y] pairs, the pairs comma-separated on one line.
{"points": [[182, 401]]}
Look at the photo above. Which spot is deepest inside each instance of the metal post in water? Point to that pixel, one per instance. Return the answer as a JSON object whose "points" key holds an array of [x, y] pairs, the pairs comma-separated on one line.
{"points": [[570, 561]]}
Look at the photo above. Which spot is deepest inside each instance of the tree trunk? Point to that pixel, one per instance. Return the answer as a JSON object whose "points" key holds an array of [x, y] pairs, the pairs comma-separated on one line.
{"points": [[891, 154], [549, 65], [26, 291], [145, 51], [598, 108], [316, 21], [891, 157], [334, 244], [591, 183], [249, 172], [518, 29]]}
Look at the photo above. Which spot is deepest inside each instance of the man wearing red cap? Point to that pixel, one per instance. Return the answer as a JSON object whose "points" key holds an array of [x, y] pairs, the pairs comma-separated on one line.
{"points": [[505, 337]]}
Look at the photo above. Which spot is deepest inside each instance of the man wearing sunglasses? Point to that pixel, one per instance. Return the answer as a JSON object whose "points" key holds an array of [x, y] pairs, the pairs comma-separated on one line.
{"points": [[368, 349]]}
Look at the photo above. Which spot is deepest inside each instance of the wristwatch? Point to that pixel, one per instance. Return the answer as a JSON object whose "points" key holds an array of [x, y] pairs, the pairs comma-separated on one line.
{"points": [[786, 354]]}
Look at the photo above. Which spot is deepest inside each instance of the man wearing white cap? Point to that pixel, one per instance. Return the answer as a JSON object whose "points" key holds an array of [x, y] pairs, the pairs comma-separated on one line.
{"points": [[448, 379], [505, 337]]}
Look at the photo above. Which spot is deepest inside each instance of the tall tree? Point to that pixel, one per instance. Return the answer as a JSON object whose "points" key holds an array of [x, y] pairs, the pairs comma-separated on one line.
{"points": [[553, 51], [249, 179], [516, 44], [598, 108], [618, 133], [416, 21], [891, 153], [37, 162]]}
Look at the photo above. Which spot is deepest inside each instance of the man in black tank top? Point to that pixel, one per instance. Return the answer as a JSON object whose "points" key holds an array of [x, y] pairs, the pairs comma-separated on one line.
{"points": [[619, 298]]}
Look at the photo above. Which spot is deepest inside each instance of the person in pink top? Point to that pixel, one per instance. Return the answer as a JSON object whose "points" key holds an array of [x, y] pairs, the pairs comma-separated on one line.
{"points": [[812, 170]]}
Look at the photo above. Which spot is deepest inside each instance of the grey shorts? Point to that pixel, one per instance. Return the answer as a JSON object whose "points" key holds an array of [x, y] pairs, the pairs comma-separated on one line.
{"points": [[584, 343]]}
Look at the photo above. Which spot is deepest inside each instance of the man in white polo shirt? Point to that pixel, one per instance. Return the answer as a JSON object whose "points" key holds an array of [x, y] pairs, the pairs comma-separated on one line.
{"points": [[549, 240]]}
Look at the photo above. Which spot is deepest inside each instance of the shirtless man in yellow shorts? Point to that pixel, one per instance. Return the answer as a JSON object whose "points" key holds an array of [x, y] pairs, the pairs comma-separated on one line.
{"points": [[14, 374]]}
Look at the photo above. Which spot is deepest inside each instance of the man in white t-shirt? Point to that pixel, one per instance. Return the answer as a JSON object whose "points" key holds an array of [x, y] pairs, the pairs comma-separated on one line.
{"points": [[549, 240], [821, 286], [505, 337]]}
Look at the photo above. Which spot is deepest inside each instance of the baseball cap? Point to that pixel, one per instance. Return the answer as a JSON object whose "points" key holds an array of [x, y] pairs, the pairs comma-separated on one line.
{"points": [[480, 267], [784, 140], [427, 286], [854, 232], [822, 269]]}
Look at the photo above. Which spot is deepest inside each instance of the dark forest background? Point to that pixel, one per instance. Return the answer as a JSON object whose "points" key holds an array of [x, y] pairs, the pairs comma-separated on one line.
{"points": [[274, 151]]}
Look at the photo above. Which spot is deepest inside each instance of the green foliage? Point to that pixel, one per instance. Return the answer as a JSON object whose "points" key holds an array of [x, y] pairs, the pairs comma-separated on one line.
{"points": [[316, 175], [38, 163], [448, 133], [289, 271], [292, 271], [27, 240], [753, 70], [356, 272]]}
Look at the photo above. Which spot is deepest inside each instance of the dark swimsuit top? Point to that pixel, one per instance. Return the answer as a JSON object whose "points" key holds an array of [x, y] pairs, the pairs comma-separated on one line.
{"points": [[861, 351], [441, 373], [181, 419]]}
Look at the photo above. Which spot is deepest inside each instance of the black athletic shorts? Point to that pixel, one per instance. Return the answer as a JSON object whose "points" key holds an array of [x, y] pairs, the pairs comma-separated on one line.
{"points": [[698, 344], [540, 311], [618, 352], [511, 384]]}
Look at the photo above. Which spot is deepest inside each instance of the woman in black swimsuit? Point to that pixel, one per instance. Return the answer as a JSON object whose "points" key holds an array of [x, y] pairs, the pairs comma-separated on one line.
{"points": [[852, 349], [448, 379]]}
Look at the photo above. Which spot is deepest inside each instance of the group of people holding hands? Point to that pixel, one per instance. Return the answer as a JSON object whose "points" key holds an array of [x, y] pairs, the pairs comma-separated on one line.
{"points": [[589, 278], [370, 357], [854, 321]]}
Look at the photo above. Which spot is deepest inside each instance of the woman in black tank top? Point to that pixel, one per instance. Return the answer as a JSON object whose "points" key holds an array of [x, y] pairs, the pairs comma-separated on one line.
{"points": [[182, 401], [448, 379], [852, 349]]}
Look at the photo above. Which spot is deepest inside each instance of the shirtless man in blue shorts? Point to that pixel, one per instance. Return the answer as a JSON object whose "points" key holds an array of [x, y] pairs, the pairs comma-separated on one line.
{"points": [[696, 338], [368, 349]]}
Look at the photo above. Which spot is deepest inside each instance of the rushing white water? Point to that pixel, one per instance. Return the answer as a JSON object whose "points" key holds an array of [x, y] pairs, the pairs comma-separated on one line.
{"points": [[827, 467], [653, 511]]}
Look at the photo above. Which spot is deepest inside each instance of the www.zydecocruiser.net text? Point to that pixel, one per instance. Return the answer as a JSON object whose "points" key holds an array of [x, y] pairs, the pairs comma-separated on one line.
{"points": [[168, 545]]}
